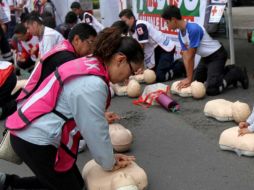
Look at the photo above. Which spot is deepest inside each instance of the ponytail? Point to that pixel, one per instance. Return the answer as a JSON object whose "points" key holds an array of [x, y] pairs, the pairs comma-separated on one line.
{"points": [[108, 41]]}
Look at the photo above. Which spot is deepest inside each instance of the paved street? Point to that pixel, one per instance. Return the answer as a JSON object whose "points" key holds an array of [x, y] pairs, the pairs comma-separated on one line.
{"points": [[179, 151]]}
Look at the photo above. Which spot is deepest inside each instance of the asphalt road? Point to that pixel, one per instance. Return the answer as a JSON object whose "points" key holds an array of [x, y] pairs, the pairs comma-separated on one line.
{"points": [[180, 151]]}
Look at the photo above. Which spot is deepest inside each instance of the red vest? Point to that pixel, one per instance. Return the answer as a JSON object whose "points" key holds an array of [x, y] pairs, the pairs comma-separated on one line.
{"points": [[6, 68], [44, 100]]}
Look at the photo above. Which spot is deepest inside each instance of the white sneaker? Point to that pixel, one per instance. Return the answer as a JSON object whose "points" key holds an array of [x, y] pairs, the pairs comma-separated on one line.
{"points": [[82, 146]]}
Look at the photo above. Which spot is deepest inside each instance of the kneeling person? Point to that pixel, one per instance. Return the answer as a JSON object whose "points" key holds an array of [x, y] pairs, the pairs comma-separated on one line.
{"points": [[195, 40], [158, 47]]}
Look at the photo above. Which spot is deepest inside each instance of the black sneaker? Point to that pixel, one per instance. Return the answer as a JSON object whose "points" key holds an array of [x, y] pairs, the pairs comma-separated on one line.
{"points": [[244, 79], [2, 180]]}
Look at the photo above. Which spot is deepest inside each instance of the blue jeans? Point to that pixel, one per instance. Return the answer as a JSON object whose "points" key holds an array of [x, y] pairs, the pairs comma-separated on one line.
{"points": [[165, 66]]}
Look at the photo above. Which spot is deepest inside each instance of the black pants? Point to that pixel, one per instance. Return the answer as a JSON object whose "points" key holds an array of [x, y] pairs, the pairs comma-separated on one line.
{"points": [[212, 71], [41, 159], [5, 47], [165, 67], [7, 101], [27, 64]]}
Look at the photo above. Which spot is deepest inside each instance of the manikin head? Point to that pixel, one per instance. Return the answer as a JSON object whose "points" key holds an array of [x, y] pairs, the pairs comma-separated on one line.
{"points": [[173, 16], [121, 138], [122, 55], [198, 89], [82, 38], [149, 76], [133, 89], [128, 17], [240, 111]]}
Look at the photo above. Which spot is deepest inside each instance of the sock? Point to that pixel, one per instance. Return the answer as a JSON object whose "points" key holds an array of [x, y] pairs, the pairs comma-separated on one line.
{"points": [[224, 83], [171, 74]]}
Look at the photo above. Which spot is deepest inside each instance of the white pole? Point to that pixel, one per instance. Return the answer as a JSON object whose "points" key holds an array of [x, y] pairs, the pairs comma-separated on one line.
{"points": [[230, 31]]}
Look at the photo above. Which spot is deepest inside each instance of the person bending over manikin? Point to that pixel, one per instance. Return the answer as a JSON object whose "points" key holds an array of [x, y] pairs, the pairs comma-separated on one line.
{"points": [[194, 39]]}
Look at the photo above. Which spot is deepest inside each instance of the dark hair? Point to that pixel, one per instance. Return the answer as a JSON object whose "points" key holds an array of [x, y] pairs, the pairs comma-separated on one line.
{"points": [[110, 41], [75, 5], [71, 18], [48, 20], [121, 25], [127, 13], [34, 17], [20, 29], [171, 12], [83, 30]]}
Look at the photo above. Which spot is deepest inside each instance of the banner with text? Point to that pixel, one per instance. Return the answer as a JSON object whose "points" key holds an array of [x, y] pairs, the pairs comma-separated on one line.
{"points": [[151, 10]]}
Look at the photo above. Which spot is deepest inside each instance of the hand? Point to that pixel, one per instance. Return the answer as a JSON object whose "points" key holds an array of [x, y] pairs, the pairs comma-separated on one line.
{"points": [[122, 161], [111, 117], [139, 71], [243, 124], [184, 83], [243, 131], [21, 59]]}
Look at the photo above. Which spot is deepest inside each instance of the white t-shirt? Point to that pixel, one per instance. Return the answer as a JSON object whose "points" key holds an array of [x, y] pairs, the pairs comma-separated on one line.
{"points": [[5, 13], [197, 37], [150, 37], [49, 39], [91, 20], [29, 5]]}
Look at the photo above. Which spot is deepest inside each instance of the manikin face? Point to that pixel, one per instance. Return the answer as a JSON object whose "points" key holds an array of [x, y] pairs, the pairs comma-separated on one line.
{"points": [[128, 21], [120, 70], [84, 47]]}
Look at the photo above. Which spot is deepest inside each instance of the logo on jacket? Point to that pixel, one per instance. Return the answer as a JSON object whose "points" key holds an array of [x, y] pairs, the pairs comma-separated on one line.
{"points": [[91, 66], [140, 31]]}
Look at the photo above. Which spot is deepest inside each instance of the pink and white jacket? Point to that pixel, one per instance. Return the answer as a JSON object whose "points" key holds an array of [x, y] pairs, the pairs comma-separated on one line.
{"points": [[44, 100], [65, 45]]}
